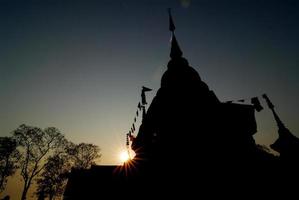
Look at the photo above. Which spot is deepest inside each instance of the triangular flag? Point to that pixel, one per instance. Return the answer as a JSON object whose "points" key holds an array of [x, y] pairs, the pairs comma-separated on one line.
{"points": [[145, 89]]}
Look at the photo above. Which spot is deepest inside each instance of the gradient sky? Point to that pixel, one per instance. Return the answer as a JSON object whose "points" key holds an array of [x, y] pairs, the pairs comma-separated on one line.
{"points": [[80, 65]]}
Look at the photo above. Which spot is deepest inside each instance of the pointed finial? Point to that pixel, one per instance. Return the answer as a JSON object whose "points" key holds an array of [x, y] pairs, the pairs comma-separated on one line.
{"points": [[175, 51], [171, 24]]}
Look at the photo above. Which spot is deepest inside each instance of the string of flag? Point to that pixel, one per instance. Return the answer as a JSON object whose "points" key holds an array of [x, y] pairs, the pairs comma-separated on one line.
{"points": [[140, 108]]}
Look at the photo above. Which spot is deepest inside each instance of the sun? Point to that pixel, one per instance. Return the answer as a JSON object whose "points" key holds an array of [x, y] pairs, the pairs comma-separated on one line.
{"points": [[124, 156]]}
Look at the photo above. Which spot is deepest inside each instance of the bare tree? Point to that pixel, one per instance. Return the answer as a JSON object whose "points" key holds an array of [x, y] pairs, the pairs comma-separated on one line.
{"points": [[8, 157], [35, 145], [83, 155]]}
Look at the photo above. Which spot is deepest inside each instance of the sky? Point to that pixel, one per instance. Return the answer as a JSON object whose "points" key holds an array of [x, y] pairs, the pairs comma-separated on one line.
{"points": [[79, 65]]}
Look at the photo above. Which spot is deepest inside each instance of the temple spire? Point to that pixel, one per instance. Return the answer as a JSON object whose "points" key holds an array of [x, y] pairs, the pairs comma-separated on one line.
{"points": [[280, 125], [175, 51]]}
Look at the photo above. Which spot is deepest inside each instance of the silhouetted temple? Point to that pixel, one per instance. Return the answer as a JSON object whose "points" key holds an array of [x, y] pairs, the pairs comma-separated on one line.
{"points": [[189, 142]]}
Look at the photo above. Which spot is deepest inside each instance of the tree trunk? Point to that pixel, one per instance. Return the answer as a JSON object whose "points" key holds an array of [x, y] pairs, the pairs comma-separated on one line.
{"points": [[24, 193], [25, 189]]}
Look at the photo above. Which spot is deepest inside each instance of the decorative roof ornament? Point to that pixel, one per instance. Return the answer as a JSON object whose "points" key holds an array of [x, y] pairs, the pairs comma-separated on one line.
{"points": [[287, 144], [175, 51]]}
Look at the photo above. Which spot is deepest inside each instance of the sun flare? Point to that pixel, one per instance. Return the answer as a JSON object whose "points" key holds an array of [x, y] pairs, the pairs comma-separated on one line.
{"points": [[124, 156]]}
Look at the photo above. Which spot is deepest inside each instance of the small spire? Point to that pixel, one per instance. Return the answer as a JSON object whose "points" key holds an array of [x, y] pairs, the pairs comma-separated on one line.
{"points": [[175, 51], [279, 123], [287, 144], [171, 24]]}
